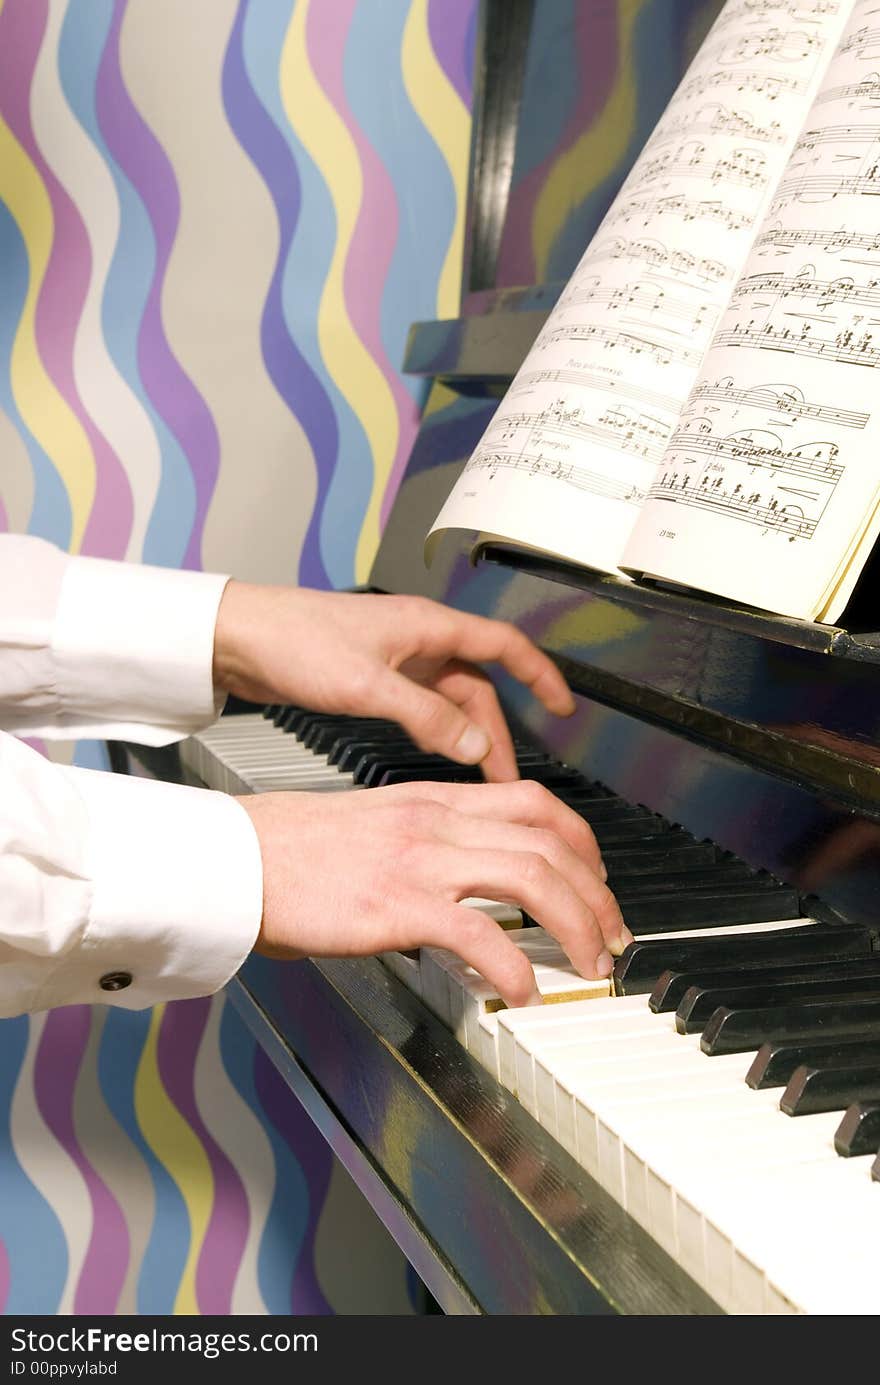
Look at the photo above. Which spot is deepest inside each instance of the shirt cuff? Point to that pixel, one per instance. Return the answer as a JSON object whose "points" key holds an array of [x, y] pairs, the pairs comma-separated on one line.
{"points": [[133, 649], [177, 894]]}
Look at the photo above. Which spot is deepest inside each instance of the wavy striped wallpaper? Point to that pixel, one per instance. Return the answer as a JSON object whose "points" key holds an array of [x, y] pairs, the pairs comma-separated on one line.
{"points": [[217, 221]]}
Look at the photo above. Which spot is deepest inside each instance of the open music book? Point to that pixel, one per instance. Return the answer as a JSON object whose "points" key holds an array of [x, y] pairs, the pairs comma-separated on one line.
{"points": [[701, 406]]}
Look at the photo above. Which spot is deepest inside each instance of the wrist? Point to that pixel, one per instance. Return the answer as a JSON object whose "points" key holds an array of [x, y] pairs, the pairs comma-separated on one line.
{"points": [[227, 664]]}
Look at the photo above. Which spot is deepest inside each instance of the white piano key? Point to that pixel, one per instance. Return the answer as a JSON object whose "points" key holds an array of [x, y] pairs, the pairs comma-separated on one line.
{"points": [[488, 1043]]}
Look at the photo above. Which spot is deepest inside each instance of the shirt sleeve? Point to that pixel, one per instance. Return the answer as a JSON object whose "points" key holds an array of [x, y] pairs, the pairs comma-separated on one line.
{"points": [[94, 648], [119, 890]]}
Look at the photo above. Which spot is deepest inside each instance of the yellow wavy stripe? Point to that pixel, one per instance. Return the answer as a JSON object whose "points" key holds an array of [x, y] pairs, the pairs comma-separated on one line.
{"points": [[176, 1147], [595, 154], [43, 409], [325, 136], [448, 122]]}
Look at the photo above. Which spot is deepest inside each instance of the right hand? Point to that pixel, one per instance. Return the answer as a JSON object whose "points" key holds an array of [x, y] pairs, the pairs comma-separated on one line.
{"points": [[350, 875]]}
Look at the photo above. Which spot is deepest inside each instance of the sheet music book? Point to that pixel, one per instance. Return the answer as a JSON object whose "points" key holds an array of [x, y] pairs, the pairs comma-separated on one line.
{"points": [[703, 404]]}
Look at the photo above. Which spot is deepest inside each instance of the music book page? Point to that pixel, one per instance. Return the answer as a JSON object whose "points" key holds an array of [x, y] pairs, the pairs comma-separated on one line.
{"points": [[769, 489], [699, 407]]}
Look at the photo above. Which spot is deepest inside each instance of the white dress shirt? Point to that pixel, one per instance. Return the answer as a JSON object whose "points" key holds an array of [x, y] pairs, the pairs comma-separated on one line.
{"points": [[112, 889]]}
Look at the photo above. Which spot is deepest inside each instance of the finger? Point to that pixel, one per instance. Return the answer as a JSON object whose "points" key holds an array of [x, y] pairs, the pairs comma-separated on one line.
{"points": [[471, 690], [458, 829], [479, 941], [525, 802], [444, 632], [433, 721], [527, 879]]}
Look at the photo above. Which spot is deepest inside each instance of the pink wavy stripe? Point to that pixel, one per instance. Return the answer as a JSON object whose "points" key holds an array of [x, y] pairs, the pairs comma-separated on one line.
{"points": [[4, 518], [64, 288], [180, 1035], [375, 232], [35, 743], [596, 59], [59, 1055]]}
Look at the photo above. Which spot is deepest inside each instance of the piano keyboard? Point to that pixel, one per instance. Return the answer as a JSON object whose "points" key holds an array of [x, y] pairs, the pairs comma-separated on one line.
{"points": [[727, 1093]]}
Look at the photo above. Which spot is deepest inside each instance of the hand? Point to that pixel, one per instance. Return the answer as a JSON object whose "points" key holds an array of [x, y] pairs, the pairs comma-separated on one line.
{"points": [[400, 657], [348, 875]]}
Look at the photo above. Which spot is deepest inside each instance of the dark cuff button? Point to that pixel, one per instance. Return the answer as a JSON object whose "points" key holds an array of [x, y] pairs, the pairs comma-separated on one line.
{"points": [[115, 981]]}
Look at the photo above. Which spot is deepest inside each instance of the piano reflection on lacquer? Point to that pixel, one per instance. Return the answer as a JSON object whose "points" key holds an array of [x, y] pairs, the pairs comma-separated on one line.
{"points": [[705, 1138]]}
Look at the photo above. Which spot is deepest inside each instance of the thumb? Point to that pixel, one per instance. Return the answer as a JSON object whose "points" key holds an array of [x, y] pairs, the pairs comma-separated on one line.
{"points": [[435, 723]]}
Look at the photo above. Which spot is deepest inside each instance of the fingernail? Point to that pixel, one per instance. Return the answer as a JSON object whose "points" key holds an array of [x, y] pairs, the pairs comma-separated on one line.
{"points": [[617, 946], [604, 965], [603, 870], [535, 999], [472, 746]]}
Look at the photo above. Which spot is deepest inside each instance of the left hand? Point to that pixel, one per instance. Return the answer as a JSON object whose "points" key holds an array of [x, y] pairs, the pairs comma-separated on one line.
{"points": [[402, 657]]}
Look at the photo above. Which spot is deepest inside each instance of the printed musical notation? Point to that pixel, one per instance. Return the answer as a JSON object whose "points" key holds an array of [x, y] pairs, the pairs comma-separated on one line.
{"points": [[733, 500], [650, 209], [802, 187], [601, 391], [863, 43], [639, 433], [536, 464], [833, 242], [655, 255], [847, 347], [787, 400], [608, 385], [866, 89], [743, 166], [843, 292], [613, 339], [644, 296], [751, 476]]}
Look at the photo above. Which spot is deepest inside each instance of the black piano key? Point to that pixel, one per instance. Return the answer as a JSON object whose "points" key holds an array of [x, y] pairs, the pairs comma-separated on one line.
{"points": [[739, 1030], [322, 736], [658, 857], [859, 1131], [637, 970], [452, 774], [353, 752], [700, 1003], [683, 882], [774, 1063], [640, 827], [811, 1090], [715, 908], [672, 985]]}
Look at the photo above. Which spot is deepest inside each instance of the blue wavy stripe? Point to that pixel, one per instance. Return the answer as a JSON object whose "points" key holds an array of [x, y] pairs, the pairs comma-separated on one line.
{"points": [[550, 85], [291, 374], [51, 514], [287, 1220], [308, 261], [34, 1240], [658, 39], [422, 181], [83, 37], [122, 1043]]}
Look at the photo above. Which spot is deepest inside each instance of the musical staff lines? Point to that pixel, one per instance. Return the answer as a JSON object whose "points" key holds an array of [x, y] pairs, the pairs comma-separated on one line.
{"points": [[833, 242], [655, 254], [645, 296], [585, 379], [846, 347], [536, 464], [754, 82], [613, 339], [814, 461], [641, 434], [741, 166], [866, 89], [772, 513], [648, 209], [777, 399], [842, 292]]}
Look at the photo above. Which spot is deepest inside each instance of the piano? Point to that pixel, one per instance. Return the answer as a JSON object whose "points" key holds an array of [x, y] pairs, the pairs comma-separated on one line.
{"points": [[705, 1139]]}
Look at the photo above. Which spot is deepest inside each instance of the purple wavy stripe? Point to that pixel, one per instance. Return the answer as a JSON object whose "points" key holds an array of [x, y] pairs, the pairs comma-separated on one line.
{"points": [[144, 162], [290, 373], [5, 1276], [180, 1035], [66, 282], [312, 1153], [58, 1059], [375, 232], [36, 744], [596, 58], [4, 518], [450, 30]]}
